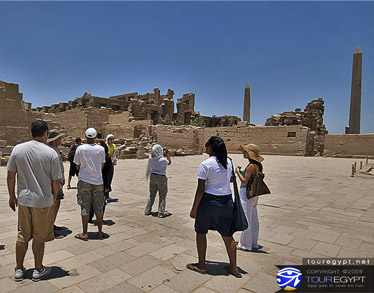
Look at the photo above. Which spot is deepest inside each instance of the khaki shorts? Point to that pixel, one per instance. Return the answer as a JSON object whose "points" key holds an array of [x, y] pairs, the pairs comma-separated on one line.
{"points": [[90, 194], [35, 223]]}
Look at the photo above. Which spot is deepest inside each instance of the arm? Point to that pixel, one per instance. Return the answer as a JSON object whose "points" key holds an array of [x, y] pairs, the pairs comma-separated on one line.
{"points": [[77, 166], [248, 173], [166, 154], [11, 182], [198, 196], [55, 188]]}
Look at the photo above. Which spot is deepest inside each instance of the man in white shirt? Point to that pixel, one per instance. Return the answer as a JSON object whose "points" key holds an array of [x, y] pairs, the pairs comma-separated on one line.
{"points": [[89, 159], [38, 181]]}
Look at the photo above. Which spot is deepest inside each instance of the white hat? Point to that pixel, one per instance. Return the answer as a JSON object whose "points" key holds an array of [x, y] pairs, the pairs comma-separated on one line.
{"points": [[91, 132]]}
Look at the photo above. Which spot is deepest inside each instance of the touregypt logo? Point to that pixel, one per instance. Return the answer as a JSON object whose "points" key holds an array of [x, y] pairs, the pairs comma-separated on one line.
{"points": [[289, 278]]}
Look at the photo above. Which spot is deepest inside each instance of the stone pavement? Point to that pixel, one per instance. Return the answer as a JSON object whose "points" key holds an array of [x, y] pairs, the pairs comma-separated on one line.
{"points": [[315, 210]]}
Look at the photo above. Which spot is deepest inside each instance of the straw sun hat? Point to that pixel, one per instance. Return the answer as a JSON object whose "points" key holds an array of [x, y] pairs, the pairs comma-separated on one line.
{"points": [[252, 150]]}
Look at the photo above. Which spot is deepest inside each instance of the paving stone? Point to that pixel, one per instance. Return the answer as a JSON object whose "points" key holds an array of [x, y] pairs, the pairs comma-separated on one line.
{"points": [[80, 260], [262, 283], [163, 289], [104, 281], [168, 251], [180, 261], [75, 276], [367, 246], [352, 253], [326, 237], [348, 242], [143, 249], [8, 284], [225, 283], [326, 249], [140, 265], [205, 290], [113, 261], [113, 248], [302, 243], [36, 287], [281, 238], [150, 279], [54, 257], [187, 281], [124, 287], [72, 289]]}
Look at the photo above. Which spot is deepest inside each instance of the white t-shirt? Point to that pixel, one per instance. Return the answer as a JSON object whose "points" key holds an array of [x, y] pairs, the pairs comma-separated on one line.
{"points": [[158, 165], [36, 165], [90, 158], [216, 176]]}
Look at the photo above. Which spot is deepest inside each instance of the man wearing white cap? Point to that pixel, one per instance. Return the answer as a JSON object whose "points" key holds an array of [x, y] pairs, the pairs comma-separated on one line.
{"points": [[54, 140], [89, 159]]}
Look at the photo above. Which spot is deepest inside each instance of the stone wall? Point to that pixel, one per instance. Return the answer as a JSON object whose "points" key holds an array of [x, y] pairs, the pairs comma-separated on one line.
{"points": [[15, 121], [177, 137], [348, 145], [281, 140]]}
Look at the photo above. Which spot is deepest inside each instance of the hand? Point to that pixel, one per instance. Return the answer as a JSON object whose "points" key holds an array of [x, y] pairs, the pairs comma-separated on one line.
{"points": [[166, 151], [193, 214], [13, 203], [63, 181], [106, 190], [238, 169]]}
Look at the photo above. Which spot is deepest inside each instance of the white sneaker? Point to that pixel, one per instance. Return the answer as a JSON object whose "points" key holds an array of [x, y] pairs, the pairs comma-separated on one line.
{"points": [[38, 275], [18, 274]]}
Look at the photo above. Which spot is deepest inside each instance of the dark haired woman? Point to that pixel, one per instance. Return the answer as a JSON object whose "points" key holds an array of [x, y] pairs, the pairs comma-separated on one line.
{"points": [[249, 238], [213, 208]]}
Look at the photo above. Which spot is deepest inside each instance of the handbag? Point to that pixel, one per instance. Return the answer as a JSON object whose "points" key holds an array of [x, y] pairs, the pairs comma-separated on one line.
{"points": [[256, 185], [240, 220]]}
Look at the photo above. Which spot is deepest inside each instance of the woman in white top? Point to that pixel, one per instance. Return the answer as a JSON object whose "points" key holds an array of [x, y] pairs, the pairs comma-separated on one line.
{"points": [[156, 170], [213, 208], [249, 238]]}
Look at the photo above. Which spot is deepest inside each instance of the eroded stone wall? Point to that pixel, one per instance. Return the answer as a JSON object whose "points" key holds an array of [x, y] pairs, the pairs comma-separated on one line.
{"points": [[346, 145]]}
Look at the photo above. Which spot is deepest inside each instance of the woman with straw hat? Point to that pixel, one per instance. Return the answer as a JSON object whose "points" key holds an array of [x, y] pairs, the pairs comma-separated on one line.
{"points": [[249, 238]]}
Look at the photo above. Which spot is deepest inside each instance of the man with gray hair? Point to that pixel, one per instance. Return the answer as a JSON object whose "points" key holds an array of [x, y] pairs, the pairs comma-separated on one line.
{"points": [[38, 181], [89, 159]]}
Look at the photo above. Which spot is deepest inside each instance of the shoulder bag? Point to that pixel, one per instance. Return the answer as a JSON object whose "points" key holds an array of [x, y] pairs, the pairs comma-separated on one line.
{"points": [[256, 185], [240, 221]]}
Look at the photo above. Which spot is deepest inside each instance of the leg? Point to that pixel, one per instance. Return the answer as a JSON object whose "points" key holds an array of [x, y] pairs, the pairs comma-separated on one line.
{"points": [[69, 180], [56, 208], [231, 252], [85, 224], [255, 227], [162, 191], [99, 220], [152, 195], [38, 250], [201, 243], [246, 236], [21, 249]]}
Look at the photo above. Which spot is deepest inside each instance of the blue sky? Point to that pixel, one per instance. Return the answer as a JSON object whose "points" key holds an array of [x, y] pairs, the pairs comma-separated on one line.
{"points": [[289, 52]]}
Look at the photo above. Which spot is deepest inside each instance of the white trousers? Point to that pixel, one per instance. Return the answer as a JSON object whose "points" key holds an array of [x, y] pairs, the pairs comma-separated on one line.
{"points": [[249, 237]]}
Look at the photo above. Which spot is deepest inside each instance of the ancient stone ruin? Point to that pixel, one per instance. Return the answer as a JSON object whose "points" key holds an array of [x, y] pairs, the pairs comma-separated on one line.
{"points": [[312, 117]]}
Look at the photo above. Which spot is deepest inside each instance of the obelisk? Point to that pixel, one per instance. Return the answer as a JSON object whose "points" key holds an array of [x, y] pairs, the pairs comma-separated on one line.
{"points": [[355, 111], [247, 104]]}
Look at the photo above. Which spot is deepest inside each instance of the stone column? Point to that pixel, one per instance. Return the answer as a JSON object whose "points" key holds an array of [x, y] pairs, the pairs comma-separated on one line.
{"points": [[247, 104], [355, 111]]}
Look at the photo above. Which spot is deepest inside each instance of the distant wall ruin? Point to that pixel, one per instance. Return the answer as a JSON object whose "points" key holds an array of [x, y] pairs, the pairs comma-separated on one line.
{"points": [[347, 145]]}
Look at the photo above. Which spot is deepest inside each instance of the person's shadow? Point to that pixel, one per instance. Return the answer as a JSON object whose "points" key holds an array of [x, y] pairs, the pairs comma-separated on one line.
{"points": [[56, 273], [2, 247], [64, 231], [216, 268]]}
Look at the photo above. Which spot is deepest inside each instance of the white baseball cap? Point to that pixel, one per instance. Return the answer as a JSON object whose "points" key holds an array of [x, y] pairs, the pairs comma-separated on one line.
{"points": [[91, 132]]}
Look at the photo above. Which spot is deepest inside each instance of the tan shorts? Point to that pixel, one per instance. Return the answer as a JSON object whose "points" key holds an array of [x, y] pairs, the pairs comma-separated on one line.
{"points": [[35, 223]]}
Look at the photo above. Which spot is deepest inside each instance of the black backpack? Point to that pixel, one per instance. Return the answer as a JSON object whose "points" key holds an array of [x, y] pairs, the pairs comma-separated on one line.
{"points": [[72, 153]]}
